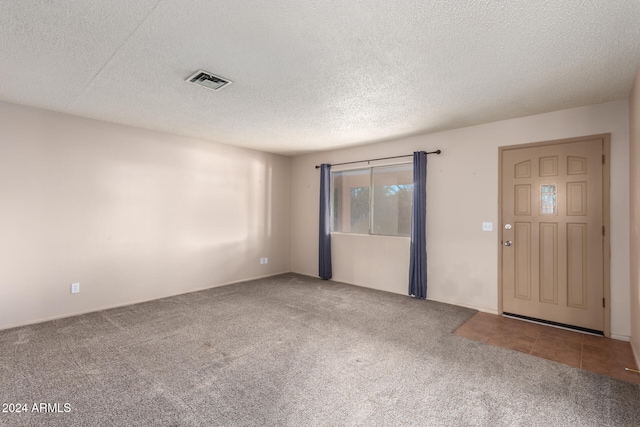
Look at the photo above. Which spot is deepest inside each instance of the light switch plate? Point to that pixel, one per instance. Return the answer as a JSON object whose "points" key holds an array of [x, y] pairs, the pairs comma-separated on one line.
{"points": [[487, 226]]}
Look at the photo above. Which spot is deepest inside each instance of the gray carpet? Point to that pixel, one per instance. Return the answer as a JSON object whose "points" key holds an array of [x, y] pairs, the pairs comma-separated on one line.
{"points": [[296, 351]]}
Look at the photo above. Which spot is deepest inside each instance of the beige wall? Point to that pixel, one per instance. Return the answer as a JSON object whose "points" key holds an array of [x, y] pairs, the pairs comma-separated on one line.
{"points": [[135, 215], [131, 215], [634, 203], [462, 192]]}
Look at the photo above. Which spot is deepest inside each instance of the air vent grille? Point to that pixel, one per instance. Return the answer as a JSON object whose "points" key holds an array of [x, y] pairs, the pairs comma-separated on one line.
{"points": [[208, 80]]}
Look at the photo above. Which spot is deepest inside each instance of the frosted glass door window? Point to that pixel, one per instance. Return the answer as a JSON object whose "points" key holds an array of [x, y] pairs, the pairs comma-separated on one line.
{"points": [[548, 199]]}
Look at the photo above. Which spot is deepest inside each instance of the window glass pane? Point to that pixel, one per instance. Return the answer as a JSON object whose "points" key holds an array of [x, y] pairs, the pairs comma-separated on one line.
{"points": [[359, 210], [380, 207], [548, 199], [351, 208], [392, 195]]}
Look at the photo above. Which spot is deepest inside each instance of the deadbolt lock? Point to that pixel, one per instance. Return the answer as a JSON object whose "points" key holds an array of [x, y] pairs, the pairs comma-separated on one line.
{"points": [[507, 226]]}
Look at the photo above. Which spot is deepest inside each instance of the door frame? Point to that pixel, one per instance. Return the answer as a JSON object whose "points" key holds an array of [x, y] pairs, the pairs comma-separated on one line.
{"points": [[606, 215]]}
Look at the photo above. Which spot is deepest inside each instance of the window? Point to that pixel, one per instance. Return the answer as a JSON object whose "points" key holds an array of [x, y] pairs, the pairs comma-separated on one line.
{"points": [[375, 200], [548, 199]]}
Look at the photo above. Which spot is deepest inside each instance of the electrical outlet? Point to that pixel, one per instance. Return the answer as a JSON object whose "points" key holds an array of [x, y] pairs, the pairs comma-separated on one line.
{"points": [[75, 288], [266, 260], [262, 261]]}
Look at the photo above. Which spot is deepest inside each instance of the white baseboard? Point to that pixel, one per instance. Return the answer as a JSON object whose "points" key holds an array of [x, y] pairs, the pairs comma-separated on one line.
{"points": [[109, 307], [482, 309], [620, 337]]}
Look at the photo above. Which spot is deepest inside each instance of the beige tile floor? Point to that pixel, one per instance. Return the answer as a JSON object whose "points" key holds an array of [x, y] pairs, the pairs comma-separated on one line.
{"points": [[597, 354]]}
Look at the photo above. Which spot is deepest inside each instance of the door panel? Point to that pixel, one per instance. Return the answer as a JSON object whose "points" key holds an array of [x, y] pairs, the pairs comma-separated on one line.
{"points": [[523, 200], [577, 265], [552, 196], [549, 262], [522, 250]]}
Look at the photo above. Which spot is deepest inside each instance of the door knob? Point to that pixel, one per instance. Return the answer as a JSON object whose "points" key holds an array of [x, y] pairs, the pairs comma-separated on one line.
{"points": [[507, 243]]}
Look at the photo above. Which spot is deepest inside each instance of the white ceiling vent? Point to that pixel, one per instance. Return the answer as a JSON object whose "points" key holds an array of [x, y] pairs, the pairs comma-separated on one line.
{"points": [[208, 80]]}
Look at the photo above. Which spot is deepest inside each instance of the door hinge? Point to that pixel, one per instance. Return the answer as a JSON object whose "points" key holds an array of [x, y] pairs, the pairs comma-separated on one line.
{"points": [[603, 156], [603, 230], [603, 304]]}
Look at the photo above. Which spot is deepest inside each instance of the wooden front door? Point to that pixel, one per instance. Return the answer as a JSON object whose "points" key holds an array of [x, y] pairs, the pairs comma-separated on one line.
{"points": [[552, 232]]}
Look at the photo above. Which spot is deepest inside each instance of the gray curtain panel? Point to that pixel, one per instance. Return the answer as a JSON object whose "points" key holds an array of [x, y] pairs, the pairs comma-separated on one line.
{"points": [[324, 262], [418, 254]]}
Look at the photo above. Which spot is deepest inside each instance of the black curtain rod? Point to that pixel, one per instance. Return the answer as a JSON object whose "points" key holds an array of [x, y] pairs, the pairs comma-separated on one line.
{"points": [[381, 158]]}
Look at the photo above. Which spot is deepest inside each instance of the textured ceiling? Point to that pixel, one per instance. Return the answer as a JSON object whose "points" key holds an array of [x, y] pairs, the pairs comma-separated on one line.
{"points": [[316, 74]]}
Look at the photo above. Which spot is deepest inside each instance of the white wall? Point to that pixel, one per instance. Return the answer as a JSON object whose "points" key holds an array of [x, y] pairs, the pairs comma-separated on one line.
{"points": [[132, 215], [634, 202], [462, 192]]}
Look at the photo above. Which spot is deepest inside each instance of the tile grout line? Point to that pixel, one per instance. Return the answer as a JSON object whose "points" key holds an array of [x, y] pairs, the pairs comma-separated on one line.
{"points": [[581, 351], [492, 335], [534, 343]]}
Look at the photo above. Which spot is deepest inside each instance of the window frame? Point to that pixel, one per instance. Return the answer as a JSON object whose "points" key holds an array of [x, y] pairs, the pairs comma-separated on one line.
{"points": [[370, 168]]}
